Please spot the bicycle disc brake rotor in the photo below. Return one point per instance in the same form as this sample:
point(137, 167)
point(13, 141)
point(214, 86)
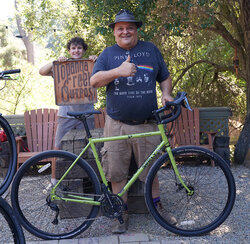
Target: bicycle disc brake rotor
point(118, 206)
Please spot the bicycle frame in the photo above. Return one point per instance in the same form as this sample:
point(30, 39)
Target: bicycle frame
point(91, 143)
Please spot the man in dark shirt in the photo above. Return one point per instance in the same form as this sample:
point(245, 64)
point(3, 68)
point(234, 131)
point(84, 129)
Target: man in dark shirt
point(129, 70)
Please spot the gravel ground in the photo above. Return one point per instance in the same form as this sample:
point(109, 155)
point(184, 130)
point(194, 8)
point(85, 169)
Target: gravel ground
point(234, 230)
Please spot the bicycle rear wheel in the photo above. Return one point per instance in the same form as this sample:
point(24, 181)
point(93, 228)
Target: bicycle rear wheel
point(30, 196)
point(8, 155)
point(209, 205)
point(10, 229)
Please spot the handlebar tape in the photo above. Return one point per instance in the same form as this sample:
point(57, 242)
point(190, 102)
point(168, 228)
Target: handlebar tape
point(178, 101)
point(12, 71)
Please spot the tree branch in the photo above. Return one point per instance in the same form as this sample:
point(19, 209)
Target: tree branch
point(222, 31)
point(230, 12)
point(218, 68)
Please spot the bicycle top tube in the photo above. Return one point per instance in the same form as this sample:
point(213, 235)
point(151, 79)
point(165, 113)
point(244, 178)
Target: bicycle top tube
point(164, 115)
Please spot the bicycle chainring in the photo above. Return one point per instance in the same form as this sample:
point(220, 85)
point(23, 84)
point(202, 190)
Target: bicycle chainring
point(118, 206)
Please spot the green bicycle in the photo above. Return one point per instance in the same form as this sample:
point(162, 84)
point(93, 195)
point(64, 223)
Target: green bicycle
point(199, 196)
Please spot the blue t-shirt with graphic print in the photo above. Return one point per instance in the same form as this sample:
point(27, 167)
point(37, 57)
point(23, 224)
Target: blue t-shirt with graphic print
point(133, 98)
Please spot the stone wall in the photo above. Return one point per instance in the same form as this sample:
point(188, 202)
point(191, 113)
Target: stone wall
point(74, 141)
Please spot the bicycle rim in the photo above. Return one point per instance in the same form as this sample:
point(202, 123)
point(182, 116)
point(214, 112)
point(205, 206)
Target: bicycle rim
point(8, 156)
point(213, 197)
point(11, 230)
point(30, 196)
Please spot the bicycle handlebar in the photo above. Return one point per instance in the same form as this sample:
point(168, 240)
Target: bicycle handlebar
point(174, 107)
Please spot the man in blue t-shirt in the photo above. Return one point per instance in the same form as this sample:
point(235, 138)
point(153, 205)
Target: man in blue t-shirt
point(129, 70)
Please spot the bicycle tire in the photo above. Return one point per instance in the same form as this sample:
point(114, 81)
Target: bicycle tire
point(214, 191)
point(8, 158)
point(37, 213)
point(11, 230)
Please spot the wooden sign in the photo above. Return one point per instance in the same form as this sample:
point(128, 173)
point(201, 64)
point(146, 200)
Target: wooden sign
point(72, 82)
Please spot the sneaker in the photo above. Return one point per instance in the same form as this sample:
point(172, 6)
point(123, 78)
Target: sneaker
point(117, 227)
point(164, 214)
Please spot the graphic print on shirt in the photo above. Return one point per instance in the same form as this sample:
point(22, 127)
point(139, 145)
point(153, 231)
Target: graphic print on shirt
point(130, 81)
point(116, 82)
point(141, 83)
point(138, 79)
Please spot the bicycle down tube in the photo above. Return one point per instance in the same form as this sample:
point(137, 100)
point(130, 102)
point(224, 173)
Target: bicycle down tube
point(91, 144)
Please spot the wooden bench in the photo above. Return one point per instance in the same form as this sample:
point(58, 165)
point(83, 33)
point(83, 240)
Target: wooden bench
point(186, 130)
point(100, 118)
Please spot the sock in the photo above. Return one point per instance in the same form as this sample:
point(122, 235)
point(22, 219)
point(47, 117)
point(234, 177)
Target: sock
point(156, 200)
point(53, 181)
point(125, 207)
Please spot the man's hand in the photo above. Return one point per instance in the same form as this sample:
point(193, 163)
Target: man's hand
point(127, 69)
point(103, 78)
point(166, 98)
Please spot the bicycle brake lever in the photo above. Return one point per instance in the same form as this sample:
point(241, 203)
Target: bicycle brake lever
point(186, 104)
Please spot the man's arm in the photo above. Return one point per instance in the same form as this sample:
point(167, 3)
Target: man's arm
point(166, 88)
point(103, 78)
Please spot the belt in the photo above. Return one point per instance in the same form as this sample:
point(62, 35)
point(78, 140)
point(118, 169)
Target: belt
point(134, 122)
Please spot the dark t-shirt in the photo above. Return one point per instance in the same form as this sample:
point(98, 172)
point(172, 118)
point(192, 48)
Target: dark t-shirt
point(133, 98)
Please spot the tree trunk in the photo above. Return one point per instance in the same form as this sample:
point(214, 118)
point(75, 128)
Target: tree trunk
point(243, 143)
point(29, 48)
point(26, 39)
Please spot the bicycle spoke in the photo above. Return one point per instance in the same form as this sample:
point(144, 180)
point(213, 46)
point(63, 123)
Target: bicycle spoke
point(45, 217)
point(201, 211)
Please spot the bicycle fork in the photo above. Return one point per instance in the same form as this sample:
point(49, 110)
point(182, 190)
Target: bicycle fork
point(190, 192)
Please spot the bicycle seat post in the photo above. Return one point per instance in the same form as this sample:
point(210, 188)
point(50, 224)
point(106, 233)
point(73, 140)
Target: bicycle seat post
point(82, 116)
point(85, 124)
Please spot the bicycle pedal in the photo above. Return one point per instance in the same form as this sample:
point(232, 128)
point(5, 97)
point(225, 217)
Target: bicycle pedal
point(120, 219)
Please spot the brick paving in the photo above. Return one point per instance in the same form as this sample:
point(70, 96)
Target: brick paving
point(129, 238)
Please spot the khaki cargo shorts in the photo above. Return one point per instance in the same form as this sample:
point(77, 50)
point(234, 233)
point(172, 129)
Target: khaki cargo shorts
point(116, 155)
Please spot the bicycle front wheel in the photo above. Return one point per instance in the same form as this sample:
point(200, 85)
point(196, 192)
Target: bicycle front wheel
point(213, 191)
point(8, 155)
point(31, 196)
point(10, 230)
